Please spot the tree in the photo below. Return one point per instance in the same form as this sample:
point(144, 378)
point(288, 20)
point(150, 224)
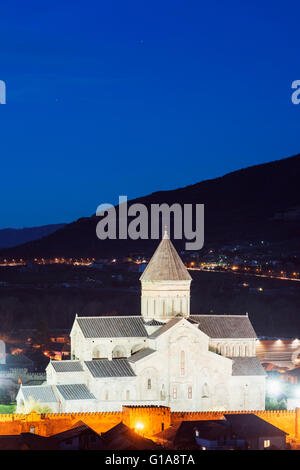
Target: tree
point(33, 405)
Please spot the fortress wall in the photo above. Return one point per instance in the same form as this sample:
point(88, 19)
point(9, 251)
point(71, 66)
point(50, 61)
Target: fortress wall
point(151, 418)
point(52, 423)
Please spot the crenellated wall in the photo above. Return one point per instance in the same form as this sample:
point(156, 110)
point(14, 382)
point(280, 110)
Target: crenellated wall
point(151, 419)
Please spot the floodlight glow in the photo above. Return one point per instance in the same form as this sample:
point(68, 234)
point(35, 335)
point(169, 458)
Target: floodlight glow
point(139, 426)
point(274, 387)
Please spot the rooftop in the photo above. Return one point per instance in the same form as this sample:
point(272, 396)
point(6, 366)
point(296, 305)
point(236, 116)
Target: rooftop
point(247, 366)
point(75, 392)
point(41, 393)
point(112, 327)
point(106, 368)
point(165, 264)
point(67, 366)
point(225, 326)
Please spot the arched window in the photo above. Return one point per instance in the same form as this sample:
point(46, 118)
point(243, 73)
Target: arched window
point(127, 394)
point(149, 384)
point(190, 392)
point(162, 392)
point(182, 363)
point(118, 352)
point(205, 391)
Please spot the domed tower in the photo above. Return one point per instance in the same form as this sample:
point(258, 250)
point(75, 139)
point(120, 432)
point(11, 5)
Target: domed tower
point(165, 284)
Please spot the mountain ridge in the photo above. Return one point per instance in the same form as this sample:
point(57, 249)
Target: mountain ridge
point(240, 206)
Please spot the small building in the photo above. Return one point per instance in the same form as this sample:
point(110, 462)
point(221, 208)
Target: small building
point(235, 432)
point(79, 437)
point(258, 433)
point(121, 437)
point(207, 435)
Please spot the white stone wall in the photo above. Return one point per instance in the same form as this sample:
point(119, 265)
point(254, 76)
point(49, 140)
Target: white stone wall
point(163, 300)
point(234, 347)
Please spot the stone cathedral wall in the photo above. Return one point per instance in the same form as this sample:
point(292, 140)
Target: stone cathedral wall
point(151, 418)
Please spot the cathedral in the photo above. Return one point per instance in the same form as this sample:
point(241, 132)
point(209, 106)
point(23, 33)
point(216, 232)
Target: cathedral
point(165, 357)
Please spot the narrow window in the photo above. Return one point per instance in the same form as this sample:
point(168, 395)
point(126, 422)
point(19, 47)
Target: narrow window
point(106, 395)
point(190, 392)
point(149, 384)
point(127, 394)
point(174, 393)
point(266, 443)
point(182, 363)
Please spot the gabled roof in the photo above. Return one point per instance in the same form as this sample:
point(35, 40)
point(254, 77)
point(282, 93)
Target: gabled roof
point(112, 327)
point(165, 264)
point(141, 354)
point(210, 430)
point(78, 429)
point(106, 368)
point(121, 437)
point(41, 393)
point(67, 366)
point(247, 366)
point(166, 327)
point(250, 425)
point(75, 392)
point(225, 326)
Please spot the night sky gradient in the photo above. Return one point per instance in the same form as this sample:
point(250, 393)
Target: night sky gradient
point(131, 97)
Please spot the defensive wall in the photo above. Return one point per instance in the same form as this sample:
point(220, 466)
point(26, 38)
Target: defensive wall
point(153, 420)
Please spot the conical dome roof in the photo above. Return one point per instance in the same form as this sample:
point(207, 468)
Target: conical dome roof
point(165, 264)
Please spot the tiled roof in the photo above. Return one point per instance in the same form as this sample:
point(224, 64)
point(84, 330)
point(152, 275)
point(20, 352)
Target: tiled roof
point(166, 327)
point(78, 429)
point(141, 354)
point(165, 264)
point(67, 366)
point(112, 327)
point(247, 366)
point(113, 368)
point(41, 393)
point(75, 392)
point(225, 326)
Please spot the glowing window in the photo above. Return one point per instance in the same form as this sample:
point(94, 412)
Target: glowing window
point(267, 443)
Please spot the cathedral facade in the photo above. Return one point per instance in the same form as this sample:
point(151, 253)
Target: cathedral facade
point(165, 356)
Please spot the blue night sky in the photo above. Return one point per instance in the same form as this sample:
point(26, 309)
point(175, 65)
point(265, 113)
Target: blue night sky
point(131, 97)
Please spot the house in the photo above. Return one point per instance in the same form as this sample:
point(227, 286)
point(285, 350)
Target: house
point(26, 441)
point(79, 437)
point(258, 433)
point(235, 432)
point(121, 437)
point(207, 435)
